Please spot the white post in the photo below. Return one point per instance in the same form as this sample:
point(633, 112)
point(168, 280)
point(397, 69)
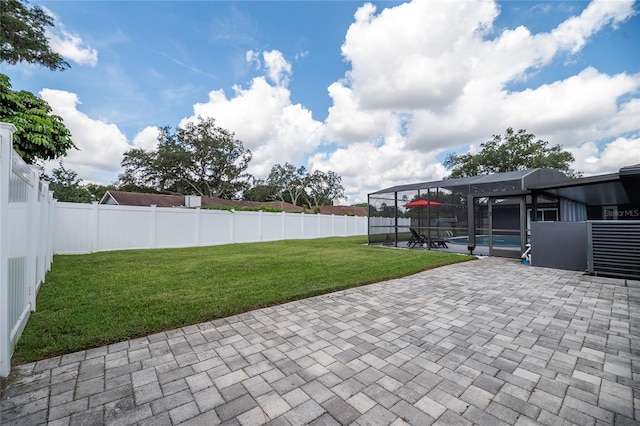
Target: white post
point(333, 225)
point(260, 219)
point(153, 225)
point(53, 205)
point(284, 225)
point(93, 228)
point(6, 135)
point(34, 231)
point(197, 227)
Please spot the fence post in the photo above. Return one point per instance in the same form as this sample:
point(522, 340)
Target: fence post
point(93, 228)
point(153, 225)
point(34, 231)
point(197, 226)
point(6, 135)
point(232, 212)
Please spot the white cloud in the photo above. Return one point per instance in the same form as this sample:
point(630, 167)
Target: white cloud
point(264, 119)
point(277, 67)
point(100, 145)
point(619, 153)
point(348, 122)
point(573, 33)
point(368, 166)
point(147, 138)
point(70, 45)
point(446, 69)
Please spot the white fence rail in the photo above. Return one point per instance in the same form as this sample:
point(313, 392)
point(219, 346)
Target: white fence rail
point(26, 243)
point(88, 228)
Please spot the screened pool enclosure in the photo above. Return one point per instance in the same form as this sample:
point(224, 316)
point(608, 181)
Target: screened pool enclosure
point(492, 211)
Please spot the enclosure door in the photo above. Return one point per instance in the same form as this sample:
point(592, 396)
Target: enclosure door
point(507, 222)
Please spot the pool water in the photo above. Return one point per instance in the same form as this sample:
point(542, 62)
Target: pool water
point(483, 240)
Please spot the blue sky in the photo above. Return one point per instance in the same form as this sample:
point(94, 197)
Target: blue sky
point(378, 92)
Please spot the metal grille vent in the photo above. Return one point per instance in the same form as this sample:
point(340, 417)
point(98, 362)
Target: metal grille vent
point(614, 248)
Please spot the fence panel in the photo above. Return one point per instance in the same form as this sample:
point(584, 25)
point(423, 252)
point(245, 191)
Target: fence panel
point(175, 227)
point(246, 227)
point(70, 218)
point(87, 228)
point(273, 226)
point(216, 227)
point(26, 213)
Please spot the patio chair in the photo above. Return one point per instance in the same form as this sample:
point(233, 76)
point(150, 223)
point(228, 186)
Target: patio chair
point(416, 239)
point(436, 242)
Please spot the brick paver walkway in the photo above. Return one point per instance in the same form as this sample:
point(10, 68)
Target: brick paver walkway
point(487, 342)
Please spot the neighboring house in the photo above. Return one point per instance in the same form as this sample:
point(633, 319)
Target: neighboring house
point(343, 210)
point(142, 199)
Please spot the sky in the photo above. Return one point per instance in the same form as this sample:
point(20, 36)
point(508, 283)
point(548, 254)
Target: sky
point(378, 92)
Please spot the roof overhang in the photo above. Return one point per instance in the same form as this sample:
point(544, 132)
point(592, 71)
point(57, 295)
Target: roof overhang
point(603, 190)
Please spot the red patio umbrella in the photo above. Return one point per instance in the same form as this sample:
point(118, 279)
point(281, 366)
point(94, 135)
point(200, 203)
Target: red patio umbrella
point(422, 203)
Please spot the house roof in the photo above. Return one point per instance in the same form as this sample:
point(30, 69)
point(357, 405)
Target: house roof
point(343, 210)
point(123, 198)
point(522, 178)
point(610, 189)
point(142, 199)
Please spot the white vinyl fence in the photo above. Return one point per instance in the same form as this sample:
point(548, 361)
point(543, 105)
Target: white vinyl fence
point(26, 242)
point(88, 228)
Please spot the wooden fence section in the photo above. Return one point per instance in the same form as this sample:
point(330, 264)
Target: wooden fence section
point(26, 242)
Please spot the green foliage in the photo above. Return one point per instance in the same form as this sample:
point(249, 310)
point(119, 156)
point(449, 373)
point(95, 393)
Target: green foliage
point(323, 188)
point(259, 191)
point(296, 186)
point(288, 183)
point(22, 36)
point(269, 209)
point(102, 298)
point(511, 152)
point(67, 187)
point(200, 158)
point(98, 191)
point(40, 135)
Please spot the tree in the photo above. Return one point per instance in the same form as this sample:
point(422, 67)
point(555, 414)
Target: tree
point(258, 191)
point(67, 187)
point(218, 159)
point(22, 36)
point(199, 158)
point(97, 191)
point(287, 182)
point(40, 135)
point(511, 152)
point(323, 188)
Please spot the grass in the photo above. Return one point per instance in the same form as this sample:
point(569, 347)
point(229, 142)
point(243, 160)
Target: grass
point(97, 299)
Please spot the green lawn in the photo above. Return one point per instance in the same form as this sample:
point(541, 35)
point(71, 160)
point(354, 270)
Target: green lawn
point(97, 299)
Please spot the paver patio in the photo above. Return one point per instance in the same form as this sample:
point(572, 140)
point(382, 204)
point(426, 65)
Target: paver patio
point(484, 342)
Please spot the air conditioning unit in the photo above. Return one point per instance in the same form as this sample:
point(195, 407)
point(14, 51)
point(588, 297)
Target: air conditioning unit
point(193, 201)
